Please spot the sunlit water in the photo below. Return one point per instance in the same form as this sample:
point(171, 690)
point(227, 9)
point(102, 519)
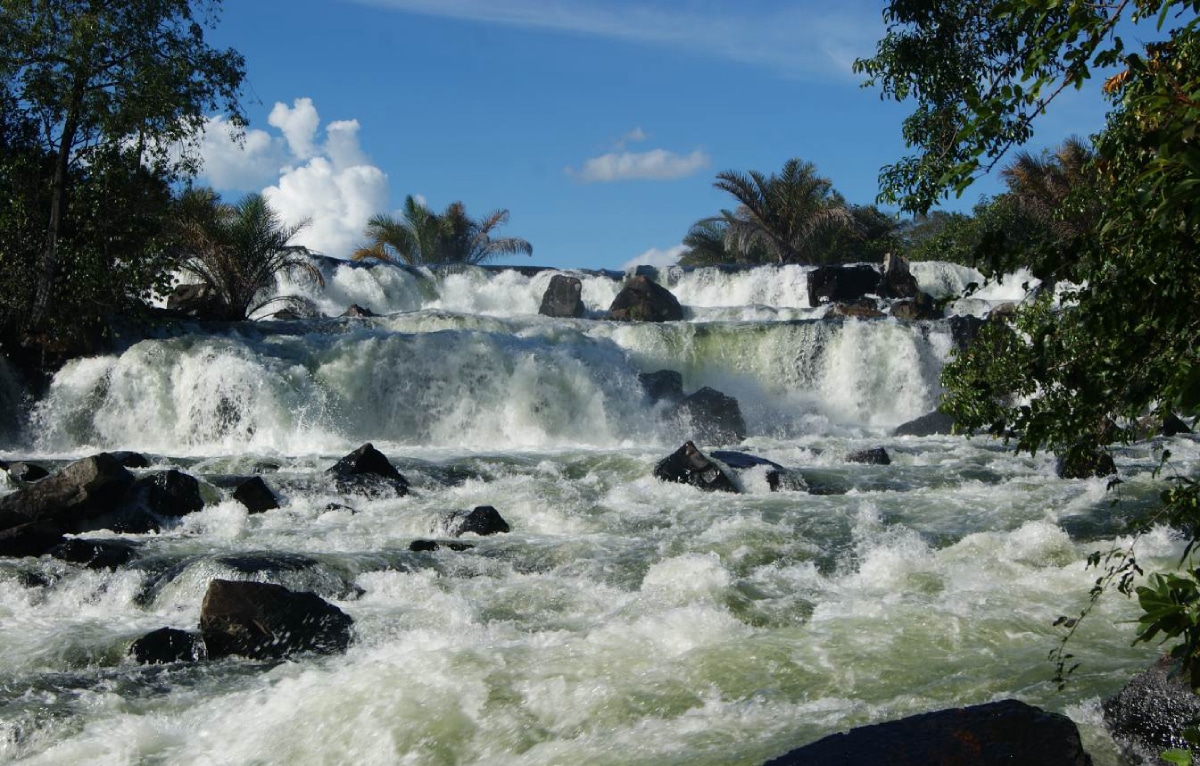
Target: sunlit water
point(623, 620)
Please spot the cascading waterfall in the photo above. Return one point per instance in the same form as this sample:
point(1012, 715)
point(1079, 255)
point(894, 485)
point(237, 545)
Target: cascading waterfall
point(623, 619)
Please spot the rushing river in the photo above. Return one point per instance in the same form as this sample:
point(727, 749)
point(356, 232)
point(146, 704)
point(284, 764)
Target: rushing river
point(623, 620)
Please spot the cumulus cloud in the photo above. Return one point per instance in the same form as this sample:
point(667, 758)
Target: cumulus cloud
point(652, 165)
point(305, 173)
point(657, 257)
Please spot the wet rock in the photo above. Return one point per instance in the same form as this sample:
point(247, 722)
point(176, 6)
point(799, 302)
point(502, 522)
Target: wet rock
point(964, 329)
point(897, 280)
point(483, 520)
point(197, 300)
point(95, 554)
point(265, 621)
point(1083, 463)
point(131, 459)
point(642, 300)
point(688, 465)
point(922, 307)
point(861, 309)
point(873, 456)
point(1173, 425)
point(255, 495)
point(563, 298)
point(82, 490)
point(367, 471)
point(24, 472)
point(421, 546)
point(167, 645)
point(32, 539)
point(170, 494)
point(329, 507)
point(932, 424)
point(662, 386)
point(271, 564)
point(1150, 714)
point(355, 310)
point(710, 416)
point(841, 284)
point(741, 461)
point(998, 733)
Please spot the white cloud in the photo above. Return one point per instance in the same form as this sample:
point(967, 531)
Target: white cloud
point(658, 258)
point(298, 124)
point(803, 38)
point(330, 182)
point(653, 165)
point(635, 136)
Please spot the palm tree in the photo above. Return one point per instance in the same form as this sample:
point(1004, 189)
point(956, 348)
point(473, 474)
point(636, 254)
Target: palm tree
point(236, 250)
point(413, 240)
point(1041, 185)
point(790, 216)
point(708, 244)
point(424, 237)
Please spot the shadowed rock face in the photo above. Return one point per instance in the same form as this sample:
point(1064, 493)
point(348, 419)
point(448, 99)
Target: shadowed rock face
point(166, 645)
point(688, 465)
point(483, 520)
point(367, 471)
point(1001, 733)
point(563, 298)
point(841, 284)
point(711, 417)
point(265, 621)
point(641, 300)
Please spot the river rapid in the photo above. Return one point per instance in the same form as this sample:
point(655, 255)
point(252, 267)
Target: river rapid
point(623, 620)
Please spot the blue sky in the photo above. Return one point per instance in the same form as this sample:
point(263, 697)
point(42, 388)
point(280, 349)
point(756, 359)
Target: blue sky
point(599, 124)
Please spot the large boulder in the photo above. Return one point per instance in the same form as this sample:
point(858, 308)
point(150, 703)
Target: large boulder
point(483, 520)
point(897, 280)
point(964, 328)
point(918, 308)
point(563, 298)
point(688, 465)
point(1151, 713)
point(256, 495)
point(82, 490)
point(873, 456)
point(642, 300)
point(710, 416)
point(841, 284)
point(95, 554)
point(366, 471)
point(995, 734)
point(170, 494)
point(264, 621)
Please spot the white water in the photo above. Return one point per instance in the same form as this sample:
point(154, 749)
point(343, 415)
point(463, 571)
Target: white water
point(623, 621)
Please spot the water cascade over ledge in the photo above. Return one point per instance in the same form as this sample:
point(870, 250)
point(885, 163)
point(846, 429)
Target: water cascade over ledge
point(622, 620)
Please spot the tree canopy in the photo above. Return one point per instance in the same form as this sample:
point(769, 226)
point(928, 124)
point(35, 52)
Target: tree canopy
point(424, 237)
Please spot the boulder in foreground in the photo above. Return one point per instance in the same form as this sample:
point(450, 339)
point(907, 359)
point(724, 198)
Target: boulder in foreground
point(366, 471)
point(996, 734)
point(563, 298)
point(688, 465)
point(264, 621)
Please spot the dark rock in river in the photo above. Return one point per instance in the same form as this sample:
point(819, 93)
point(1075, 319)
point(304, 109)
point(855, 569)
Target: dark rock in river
point(167, 645)
point(841, 284)
point(82, 490)
point(688, 465)
point(420, 546)
point(32, 539)
point(24, 472)
point(741, 461)
point(641, 300)
point(1173, 425)
point(170, 494)
point(874, 456)
point(1001, 733)
point(265, 621)
point(922, 307)
point(367, 471)
point(355, 310)
point(932, 424)
point(95, 554)
point(662, 386)
point(199, 301)
point(964, 329)
point(1081, 463)
point(255, 495)
point(864, 308)
point(1151, 713)
point(483, 520)
point(563, 298)
point(897, 280)
point(710, 416)
point(131, 459)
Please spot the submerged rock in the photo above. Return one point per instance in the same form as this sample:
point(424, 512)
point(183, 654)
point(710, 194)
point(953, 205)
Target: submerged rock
point(742, 461)
point(131, 459)
point(167, 645)
point(873, 456)
point(422, 546)
point(710, 416)
point(688, 465)
point(563, 298)
point(642, 300)
point(932, 424)
point(483, 520)
point(996, 734)
point(367, 471)
point(95, 554)
point(265, 621)
point(662, 386)
point(355, 310)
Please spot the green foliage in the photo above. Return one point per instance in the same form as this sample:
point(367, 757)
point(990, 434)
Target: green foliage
point(237, 250)
point(423, 237)
point(100, 94)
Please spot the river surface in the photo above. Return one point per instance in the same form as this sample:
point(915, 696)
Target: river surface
point(623, 620)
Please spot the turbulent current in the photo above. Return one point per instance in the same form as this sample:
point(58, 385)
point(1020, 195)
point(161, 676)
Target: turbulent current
point(623, 620)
